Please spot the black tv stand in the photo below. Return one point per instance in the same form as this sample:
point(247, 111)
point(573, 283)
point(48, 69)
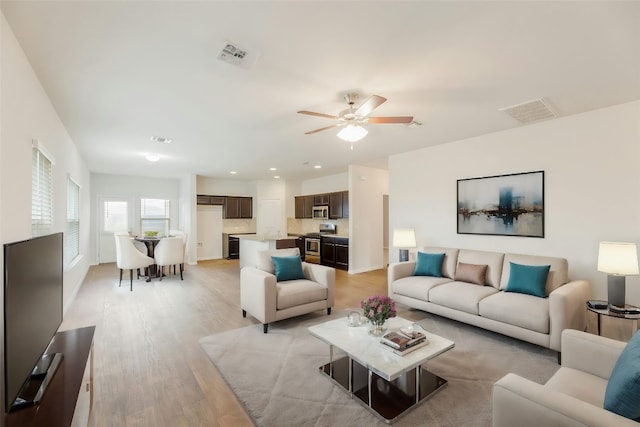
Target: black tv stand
point(73, 382)
point(33, 390)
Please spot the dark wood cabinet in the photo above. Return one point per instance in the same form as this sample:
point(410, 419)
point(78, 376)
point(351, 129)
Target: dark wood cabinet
point(320, 199)
point(338, 203)
point(335, 252)
point(301, 246)
point(345, 204)
point(203, 199)
point(304, 206)
point(238, 207)
point(234, 248)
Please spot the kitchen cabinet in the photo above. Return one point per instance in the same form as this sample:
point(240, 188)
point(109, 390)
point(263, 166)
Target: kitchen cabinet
point(304, 206)
point(238, 207)
point(321, 199)
point(301, 246)
point(203, 199)
point(345, 204)
point(334, 252)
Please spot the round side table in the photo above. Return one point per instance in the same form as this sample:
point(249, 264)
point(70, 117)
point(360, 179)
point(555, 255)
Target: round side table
point(606, 312)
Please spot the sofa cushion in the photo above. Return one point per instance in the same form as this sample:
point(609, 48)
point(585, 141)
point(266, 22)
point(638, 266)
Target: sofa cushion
point(520, 310)
point(460, 295)
point(450, 259)
point(417, 286)
point(429, 265)
point(623, 389)
point(528, 279)
point(581, 385)
point(293, 293)
point(472, 273)
point(264, 261)
point(493, 261)
point(288, 268)
point(558, 273)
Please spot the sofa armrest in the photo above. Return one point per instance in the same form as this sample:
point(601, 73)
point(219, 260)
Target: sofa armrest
point(517, 401)
point(398, 270)
point(323, 275)
point(590, 353)
point(258, 293)
point(567, 310)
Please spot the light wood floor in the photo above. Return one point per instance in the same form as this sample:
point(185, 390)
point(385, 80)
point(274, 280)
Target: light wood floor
point(149, 369)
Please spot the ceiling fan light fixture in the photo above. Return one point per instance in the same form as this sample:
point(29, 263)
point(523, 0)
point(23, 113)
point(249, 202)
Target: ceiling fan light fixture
point(352, 133)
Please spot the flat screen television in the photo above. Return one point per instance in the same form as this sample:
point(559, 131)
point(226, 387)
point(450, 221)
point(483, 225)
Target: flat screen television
point(33, 278)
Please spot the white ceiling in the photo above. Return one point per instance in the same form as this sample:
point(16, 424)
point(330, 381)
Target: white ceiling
point(121, 72)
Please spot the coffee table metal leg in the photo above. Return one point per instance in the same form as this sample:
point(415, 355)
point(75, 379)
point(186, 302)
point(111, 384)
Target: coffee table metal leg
point(350, 376)
point(331, 361)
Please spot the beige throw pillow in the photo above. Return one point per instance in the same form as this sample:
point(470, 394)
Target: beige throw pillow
point(472, 273)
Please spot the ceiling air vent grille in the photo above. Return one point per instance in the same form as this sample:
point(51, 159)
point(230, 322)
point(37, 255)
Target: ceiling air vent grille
point(531, 111)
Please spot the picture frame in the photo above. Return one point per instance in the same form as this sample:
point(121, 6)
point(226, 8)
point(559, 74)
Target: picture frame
point(502, 205)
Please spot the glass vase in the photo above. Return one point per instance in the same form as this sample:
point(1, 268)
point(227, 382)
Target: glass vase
point(377, 328)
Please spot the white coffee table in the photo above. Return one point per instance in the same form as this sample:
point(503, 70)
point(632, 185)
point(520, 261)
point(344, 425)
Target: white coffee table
point(386, 383)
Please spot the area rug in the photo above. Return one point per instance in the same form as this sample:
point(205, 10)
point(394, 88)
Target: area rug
point(276, 376)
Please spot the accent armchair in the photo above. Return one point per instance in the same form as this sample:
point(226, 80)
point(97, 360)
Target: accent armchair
point(170, 251)
point(573, 396)
point(270, 300)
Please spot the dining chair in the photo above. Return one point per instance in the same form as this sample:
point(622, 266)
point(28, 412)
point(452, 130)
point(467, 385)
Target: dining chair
point(130, 258)
point(170, 251)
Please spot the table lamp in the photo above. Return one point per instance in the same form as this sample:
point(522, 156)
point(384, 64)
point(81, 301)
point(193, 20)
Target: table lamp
point(618, 260)
point(404, 238)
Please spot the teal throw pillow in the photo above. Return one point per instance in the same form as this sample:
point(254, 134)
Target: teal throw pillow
point(528, 279)
point(623, 389)
point(429, 265)
point(288, 268)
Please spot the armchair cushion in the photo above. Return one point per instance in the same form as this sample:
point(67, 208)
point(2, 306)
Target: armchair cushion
point(623, 390)
point(293, 293)
point(288, 268)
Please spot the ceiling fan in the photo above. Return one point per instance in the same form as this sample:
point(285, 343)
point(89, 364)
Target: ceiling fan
point(354, 117)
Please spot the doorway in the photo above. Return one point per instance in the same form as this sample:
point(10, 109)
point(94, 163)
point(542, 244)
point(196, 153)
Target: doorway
point(115, 216)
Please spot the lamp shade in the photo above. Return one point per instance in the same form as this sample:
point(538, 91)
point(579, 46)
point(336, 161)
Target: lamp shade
point(404, 238)
point(352, 133)
point(618, 258)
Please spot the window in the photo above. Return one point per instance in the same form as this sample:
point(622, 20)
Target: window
point(72, 238)
point(115, 216)
point(41, 192)
point(154, 216)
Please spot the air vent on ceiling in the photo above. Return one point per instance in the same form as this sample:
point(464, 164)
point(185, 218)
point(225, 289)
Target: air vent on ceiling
point(531, 111)
point(232, 54)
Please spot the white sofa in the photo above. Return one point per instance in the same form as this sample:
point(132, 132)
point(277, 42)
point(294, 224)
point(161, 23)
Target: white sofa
point(269, 300)
point(573, 396)
point(526, 317)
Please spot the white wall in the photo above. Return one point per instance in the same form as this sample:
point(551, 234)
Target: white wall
point(187, 216)
point(592, 187)
point(325, 184)
point(26, 113)
point(132, 188)
point(367, 187)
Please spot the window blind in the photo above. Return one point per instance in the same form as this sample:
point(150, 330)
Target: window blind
point(72, 238)
point(115, 216)
point(154, 215)
point(41, 194)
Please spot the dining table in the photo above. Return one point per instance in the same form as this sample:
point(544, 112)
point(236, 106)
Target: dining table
point(150, 243)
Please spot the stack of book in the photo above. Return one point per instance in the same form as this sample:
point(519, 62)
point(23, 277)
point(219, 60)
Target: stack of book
point(403, 341)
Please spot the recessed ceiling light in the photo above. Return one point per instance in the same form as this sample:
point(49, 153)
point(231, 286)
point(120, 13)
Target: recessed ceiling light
point(273, 169)
point(152, 157)
point(318, 167)
point(161, 139)
point(277, 177)
point(233, 172)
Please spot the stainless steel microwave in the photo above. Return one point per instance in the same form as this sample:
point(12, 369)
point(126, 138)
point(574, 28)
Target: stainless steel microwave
point(320, 212)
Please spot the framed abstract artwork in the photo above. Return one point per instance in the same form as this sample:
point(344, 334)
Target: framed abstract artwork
point(505, 205)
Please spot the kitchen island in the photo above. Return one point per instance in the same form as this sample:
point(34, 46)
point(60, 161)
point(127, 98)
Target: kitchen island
point(251, 244)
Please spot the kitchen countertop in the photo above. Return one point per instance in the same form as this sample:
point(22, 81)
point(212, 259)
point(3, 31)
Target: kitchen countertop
point(259, 238)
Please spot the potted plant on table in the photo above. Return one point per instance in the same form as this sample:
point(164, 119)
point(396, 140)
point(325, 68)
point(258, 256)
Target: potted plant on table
point(377, 309)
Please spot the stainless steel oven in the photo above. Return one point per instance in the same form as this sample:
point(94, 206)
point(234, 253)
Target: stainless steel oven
point(312, 250)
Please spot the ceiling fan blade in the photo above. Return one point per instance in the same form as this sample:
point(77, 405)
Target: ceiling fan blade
point(383, 120)
point(369, 105)
point(324, 128)
point(312, 113)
